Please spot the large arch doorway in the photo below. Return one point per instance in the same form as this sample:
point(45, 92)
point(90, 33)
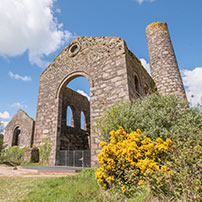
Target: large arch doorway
point(16, 136)
point(73, 140)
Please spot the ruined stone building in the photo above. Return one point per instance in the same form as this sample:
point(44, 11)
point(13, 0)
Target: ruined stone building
point(114, 74)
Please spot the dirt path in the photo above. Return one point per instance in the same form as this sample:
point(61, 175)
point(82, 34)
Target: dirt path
point(6, 171)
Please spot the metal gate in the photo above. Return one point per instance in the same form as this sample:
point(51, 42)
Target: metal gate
point(74, 158)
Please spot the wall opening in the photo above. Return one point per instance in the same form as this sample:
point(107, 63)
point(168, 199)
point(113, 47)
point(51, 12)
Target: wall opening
point(16, 136)
point(74, 128)
point(69, 117)
point(74, 48)
point(83, 124)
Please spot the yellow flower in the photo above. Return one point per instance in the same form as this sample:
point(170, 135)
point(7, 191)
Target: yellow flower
point(139, 131)
point(164, 168)
point(123, 189)
point(169, 141)
point(133, 151)
point(141, 182)
point(159, 140)
point(100, 180)
point(102, 144)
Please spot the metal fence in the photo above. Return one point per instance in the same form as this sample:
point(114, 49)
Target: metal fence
point(74, 158)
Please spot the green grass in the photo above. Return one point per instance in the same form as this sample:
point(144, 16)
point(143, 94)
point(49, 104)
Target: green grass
point(81, 187)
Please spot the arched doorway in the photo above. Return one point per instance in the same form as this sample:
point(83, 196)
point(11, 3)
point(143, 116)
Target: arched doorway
point(73, 140)
point(16, 136)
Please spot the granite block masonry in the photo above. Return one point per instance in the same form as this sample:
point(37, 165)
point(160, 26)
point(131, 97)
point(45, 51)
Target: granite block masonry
point(114, 74)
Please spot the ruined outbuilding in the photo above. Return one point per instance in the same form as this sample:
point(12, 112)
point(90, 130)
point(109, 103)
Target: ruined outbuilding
point(19, 131)
point(114, 74)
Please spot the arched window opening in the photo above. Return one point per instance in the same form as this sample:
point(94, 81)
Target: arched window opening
point(80, 85)
point(16, 137)
point(69, 117)
point(137, 85)
point(83, 125)
point(74, 118)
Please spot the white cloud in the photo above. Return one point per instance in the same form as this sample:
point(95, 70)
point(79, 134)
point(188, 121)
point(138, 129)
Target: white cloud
point(4, 115)
point(145, 64)
point(29, 25)
point(18, 105)
point(4, 123)
point(17, 76)
point(141, 1)
point(193, 82)
point(83, 93)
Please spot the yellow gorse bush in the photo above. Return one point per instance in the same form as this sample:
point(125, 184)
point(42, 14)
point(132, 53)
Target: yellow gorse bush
point(129, 158)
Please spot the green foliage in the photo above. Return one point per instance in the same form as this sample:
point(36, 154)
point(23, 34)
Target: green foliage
point(1, 143)
point(186, 162)
point(142, 194)
point(165, 117)
point(13, 155)
point(44, 152)
point(155, 115)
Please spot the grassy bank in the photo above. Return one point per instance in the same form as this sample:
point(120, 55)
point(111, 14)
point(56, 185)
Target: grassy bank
point(79, 188)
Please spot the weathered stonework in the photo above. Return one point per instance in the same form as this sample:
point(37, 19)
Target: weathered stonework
point(24, 125)
point(163, 63)
point(107, 64)
point(31, 155)
point(114, 74)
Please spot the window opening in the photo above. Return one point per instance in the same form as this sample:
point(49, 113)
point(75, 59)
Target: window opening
point(82, 121)
point(69, 116)
point(16, 137)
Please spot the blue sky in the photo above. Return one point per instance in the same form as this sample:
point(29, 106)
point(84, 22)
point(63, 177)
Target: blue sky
point(33, 32)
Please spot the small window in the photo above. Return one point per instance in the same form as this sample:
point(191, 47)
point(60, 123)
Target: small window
point(82, 121)
point(69, 121)
point(74, 49)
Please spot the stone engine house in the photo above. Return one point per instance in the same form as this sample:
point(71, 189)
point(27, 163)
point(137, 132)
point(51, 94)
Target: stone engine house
point(114, 74)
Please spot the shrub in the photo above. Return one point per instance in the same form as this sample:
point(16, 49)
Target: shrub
point(186, 162)
point(1, 143)
point(164, 117)
point(13, 155)
point(44, 152)
point(130, 159)
point(155, 115)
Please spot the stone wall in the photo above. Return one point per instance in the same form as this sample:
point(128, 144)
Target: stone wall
point(140, 82)
point(102, 61)
point(109, 67)
point(163, 63)
point(26, 125)
point(114, 74)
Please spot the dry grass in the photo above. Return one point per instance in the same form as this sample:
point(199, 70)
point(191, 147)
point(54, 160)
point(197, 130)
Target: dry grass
point(16, 188)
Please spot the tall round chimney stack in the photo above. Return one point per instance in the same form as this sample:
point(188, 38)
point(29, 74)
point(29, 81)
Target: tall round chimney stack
point(163, 63)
